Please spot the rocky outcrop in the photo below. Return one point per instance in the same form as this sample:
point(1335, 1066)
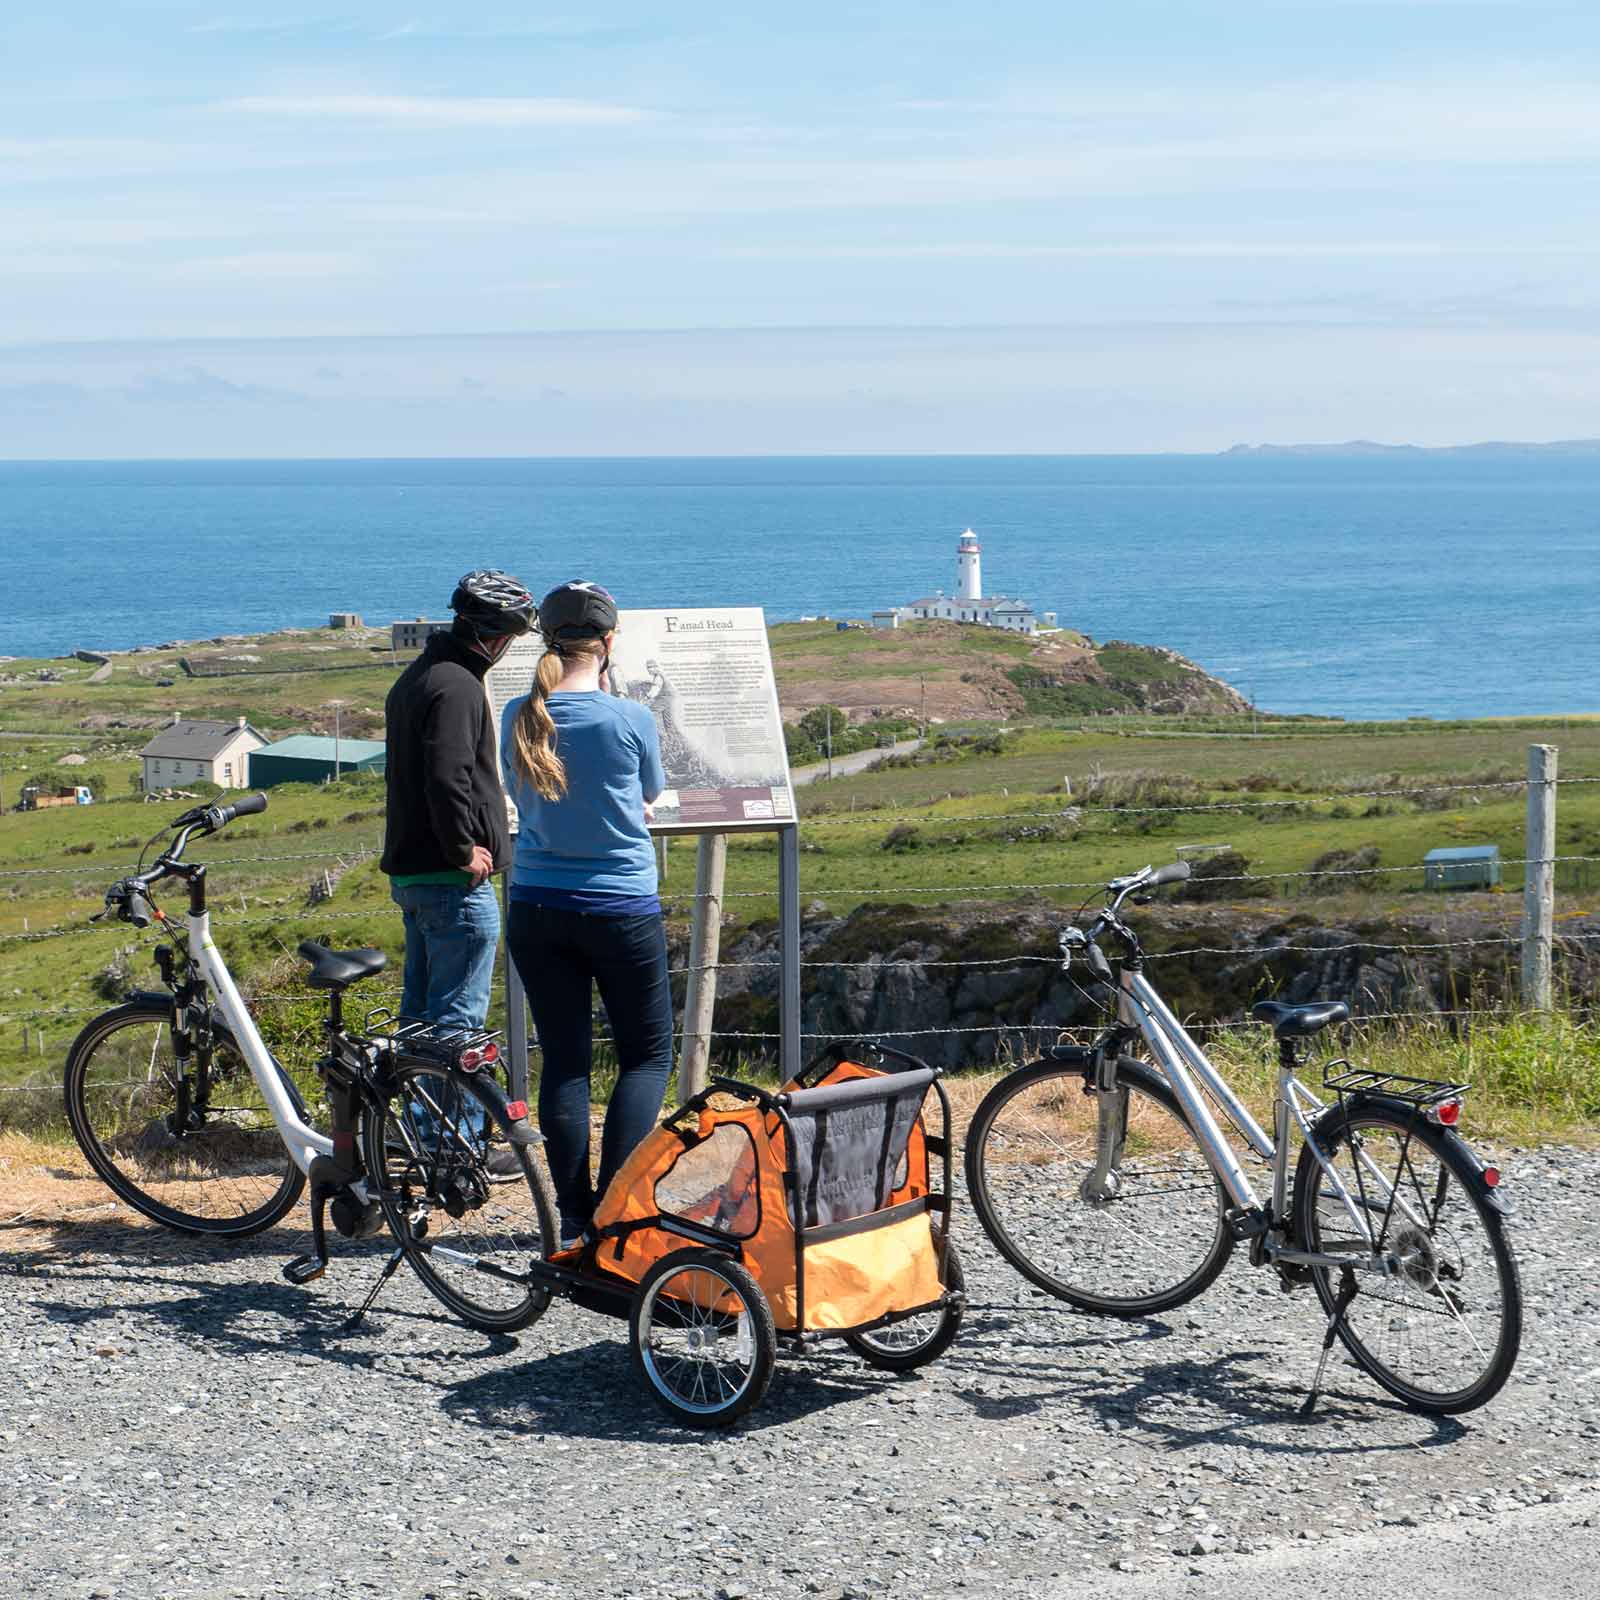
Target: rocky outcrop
point(942, 984)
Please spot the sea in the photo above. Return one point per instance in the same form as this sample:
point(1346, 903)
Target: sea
point(1440, 586)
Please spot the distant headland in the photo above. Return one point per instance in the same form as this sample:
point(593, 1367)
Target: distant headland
point(1370, 447)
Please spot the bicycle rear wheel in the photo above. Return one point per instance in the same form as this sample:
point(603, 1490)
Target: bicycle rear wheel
point(198, 1150)
point(1441, 1331)
point(1146, 1237)
point(425, 1150)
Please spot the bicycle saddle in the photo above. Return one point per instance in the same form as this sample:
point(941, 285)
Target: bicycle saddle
point(338, 969)
point(1296, 1022)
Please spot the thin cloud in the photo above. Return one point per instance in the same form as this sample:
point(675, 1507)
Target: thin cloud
point(249, 25)
point(440, 112)
point(1159, 249)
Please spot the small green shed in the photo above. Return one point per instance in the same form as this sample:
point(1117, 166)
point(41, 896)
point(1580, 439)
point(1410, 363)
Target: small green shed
point(306, 758)
point(1467, 866)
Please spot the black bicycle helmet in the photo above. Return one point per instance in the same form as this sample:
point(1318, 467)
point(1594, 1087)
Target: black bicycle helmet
point(493, 604)
point(574, 611)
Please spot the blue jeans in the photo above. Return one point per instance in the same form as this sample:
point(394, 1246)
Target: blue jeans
point(451, 937)
point(561, 955)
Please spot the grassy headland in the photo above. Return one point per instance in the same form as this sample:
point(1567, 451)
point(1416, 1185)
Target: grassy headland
point(981, 817)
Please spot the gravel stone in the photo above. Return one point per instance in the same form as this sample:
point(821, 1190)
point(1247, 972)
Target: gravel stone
point(178, 1423)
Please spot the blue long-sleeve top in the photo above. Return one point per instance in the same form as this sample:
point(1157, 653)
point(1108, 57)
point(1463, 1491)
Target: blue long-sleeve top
point(590, 850)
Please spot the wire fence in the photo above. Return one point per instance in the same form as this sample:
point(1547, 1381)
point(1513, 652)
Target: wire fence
point(1572, 940)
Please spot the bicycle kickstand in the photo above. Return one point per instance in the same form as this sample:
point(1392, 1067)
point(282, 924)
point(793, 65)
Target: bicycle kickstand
point(1341, 1304)
point(390, 1267)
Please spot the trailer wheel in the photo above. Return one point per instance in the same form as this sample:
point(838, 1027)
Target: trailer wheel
point(703, 1338)
point(904, 1346)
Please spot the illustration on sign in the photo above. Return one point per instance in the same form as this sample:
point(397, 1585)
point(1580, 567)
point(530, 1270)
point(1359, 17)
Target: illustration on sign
point(706, 675)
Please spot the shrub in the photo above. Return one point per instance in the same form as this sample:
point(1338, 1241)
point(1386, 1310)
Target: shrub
point(1339, 870)
point(1212, 879)
point(902, 837)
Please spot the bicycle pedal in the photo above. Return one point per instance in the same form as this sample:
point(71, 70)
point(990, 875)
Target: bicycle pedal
point(304, 1269)
point(1246, 1222)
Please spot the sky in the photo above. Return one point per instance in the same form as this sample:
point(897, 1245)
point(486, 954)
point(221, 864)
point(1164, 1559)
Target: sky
point(707, 229)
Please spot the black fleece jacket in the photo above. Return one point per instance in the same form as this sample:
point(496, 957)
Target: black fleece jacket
point(443, 765)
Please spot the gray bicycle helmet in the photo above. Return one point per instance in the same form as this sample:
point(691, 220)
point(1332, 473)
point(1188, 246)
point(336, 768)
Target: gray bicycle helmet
point(574, 611)
point(492, 604)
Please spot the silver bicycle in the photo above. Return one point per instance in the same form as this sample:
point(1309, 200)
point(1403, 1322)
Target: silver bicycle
point(1108, 1181)
point(182, 1109)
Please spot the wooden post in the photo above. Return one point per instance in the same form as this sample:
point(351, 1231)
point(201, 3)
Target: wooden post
point(705, 941)
point(1539, 892)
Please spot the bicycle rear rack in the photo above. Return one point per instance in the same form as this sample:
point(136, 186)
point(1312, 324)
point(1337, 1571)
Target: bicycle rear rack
point(436, 1042)
point(1345, 1078)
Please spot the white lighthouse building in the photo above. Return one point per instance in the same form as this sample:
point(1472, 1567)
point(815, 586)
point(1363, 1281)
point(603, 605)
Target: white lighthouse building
point(969, 567)
point(968, 603)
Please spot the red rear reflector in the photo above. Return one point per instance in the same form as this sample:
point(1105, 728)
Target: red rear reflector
point(491, 1051)
point(518, 1109)
point(1491, 1176)
point(1447, 1112)
point(470, 1060)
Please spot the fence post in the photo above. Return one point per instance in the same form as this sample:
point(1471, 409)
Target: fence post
point(789, 1043)
point(516, 1010)
point(705, 943)
point(1539, 892)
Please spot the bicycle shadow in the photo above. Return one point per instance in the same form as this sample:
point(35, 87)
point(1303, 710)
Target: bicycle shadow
point(66, 1244)
point(266, 1316)
point(1229, 1398)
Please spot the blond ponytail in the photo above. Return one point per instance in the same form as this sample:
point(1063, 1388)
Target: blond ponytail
point(533, 734)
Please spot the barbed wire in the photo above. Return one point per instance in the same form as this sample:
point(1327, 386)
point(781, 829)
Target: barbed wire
point(1089, 803)
point(367, 849)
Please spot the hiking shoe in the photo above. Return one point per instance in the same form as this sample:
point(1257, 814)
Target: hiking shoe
point(501, 1165)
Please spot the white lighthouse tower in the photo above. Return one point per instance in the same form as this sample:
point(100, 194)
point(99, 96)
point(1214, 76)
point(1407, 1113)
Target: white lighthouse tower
point(969, 568)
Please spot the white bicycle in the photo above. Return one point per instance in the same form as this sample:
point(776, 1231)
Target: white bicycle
point(1107, 1181)
point(180, 1107)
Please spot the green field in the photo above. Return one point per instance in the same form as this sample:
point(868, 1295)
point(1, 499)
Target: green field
point(982, 816)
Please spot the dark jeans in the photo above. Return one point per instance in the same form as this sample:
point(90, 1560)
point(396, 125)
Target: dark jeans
point(452, 935)
point(559, 955)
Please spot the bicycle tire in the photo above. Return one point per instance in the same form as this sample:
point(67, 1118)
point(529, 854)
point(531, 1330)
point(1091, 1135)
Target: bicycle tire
point(1462, 1248)
point(229, 1177)
point(421, 1184)
point(1049, 1203)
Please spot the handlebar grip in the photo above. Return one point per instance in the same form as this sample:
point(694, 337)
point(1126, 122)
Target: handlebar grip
point(252, 805)
point(1175, 872)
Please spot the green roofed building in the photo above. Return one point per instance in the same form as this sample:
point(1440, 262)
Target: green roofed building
point(306, 758)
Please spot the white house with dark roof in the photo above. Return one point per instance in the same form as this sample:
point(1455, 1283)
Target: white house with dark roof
point(968, 603)
point(200, 752)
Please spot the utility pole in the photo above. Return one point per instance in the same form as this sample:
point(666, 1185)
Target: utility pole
point(828, 716)
point(338, 706)
point(924, 718)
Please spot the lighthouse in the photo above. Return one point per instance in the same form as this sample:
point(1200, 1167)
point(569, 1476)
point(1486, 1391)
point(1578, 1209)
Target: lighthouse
point(969, 572)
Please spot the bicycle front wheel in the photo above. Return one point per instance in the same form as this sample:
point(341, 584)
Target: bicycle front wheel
point(1442, 1328)
point(469, 1233)
point(196, 1150)
point(1137, 1234)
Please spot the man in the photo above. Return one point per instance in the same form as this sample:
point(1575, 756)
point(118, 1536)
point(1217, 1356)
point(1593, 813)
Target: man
point(446, 832)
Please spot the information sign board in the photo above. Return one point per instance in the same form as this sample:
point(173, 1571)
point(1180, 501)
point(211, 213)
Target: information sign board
point(706, 675)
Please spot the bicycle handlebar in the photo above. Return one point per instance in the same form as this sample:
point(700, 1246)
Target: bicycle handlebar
point(130, 898)
point(1107, 920)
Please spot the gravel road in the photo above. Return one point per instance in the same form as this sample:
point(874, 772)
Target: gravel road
point(175, 1420)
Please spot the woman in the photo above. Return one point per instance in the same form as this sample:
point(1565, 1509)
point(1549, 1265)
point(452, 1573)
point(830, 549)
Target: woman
point(583, 767)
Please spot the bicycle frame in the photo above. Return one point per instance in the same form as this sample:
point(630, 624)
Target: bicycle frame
point(1182, 1061)
point(303, 1143)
